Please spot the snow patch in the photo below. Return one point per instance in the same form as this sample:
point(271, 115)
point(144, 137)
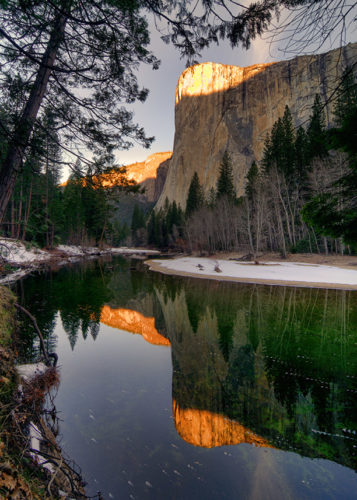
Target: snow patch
point(9, 278)
point(138, 251)
point(16, 252)
point(70, 249)
point(29, 371)
point(35, 443)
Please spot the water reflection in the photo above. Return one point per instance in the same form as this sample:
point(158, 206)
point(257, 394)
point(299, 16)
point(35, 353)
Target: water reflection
point(271, 366)
point(134, 322)
point(208, 430)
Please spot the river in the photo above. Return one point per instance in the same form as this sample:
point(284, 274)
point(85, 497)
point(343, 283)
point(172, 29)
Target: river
point(179, 388)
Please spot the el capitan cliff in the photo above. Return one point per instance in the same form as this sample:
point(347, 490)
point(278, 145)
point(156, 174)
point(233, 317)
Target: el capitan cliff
point(220, 107)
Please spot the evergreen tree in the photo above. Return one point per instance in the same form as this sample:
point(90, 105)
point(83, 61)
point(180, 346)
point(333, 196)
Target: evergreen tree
point(137, 225)
point(346, 101)
point(252, 177)
point(225, 184)
point(212, 198)
point(195, 196)
point(120, 233)
point(73, 211)
point(138, 218)
point(279, 147)
point(288, 146)
point(301, 154)
point(166, 225)
point(335, 213)
point(316, 131)
point(96, 209)
point(154, 229)
point(273, 148)
point(267, 159)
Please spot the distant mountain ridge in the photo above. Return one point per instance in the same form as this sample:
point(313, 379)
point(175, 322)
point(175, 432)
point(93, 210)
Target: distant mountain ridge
point(149, 174)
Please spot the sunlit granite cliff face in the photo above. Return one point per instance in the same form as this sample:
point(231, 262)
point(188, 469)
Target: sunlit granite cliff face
point(150, 174)
point(221, 107)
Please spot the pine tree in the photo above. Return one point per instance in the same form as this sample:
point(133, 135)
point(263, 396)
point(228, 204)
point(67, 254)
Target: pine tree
point(346, 101)
point(279, 147)
point(335, 213)
point(288, 143)
point(225, 184)
point(252, 177)
point(267, 159)
point(301, 152)
point(153, 229)
point(195, 196)
point(138, 218)
point(316, 131)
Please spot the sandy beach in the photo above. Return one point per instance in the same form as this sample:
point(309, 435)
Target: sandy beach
point(314, 271)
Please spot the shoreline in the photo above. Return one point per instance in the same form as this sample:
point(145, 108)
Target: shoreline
point(193, 271)
point(28, 259)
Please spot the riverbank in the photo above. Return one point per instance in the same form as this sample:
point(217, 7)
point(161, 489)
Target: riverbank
point(31, 462)
point(16, 477)
point(17, 258)
point(303, 270)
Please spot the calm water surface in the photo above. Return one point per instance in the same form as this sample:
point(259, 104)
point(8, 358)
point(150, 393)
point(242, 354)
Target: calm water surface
point(175, 388)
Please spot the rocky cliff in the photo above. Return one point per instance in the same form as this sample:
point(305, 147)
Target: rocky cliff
point(221, 107)
point(151, 173)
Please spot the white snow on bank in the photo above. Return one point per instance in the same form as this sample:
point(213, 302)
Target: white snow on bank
point(70, 249)
point(35, 444)
point(10, 278)
point(16, 252)
point(82, 251)
point(272, 271)
point(134, 251)
point(29, 371)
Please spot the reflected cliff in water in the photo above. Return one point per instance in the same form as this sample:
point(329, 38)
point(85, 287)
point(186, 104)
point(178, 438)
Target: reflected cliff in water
point(270, 366)
point(208, 430)
point(133, 322)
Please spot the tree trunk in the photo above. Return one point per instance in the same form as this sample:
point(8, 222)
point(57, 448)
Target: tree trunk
point(46, 203)
point(12, 218)
point(326, 246)
point(20, 213)
point(13, 160)
point(27, 215)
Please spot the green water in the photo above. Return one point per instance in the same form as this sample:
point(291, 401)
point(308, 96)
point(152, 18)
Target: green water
point(255, 395)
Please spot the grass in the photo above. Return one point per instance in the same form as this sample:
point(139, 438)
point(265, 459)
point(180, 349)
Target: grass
point(7, 315)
